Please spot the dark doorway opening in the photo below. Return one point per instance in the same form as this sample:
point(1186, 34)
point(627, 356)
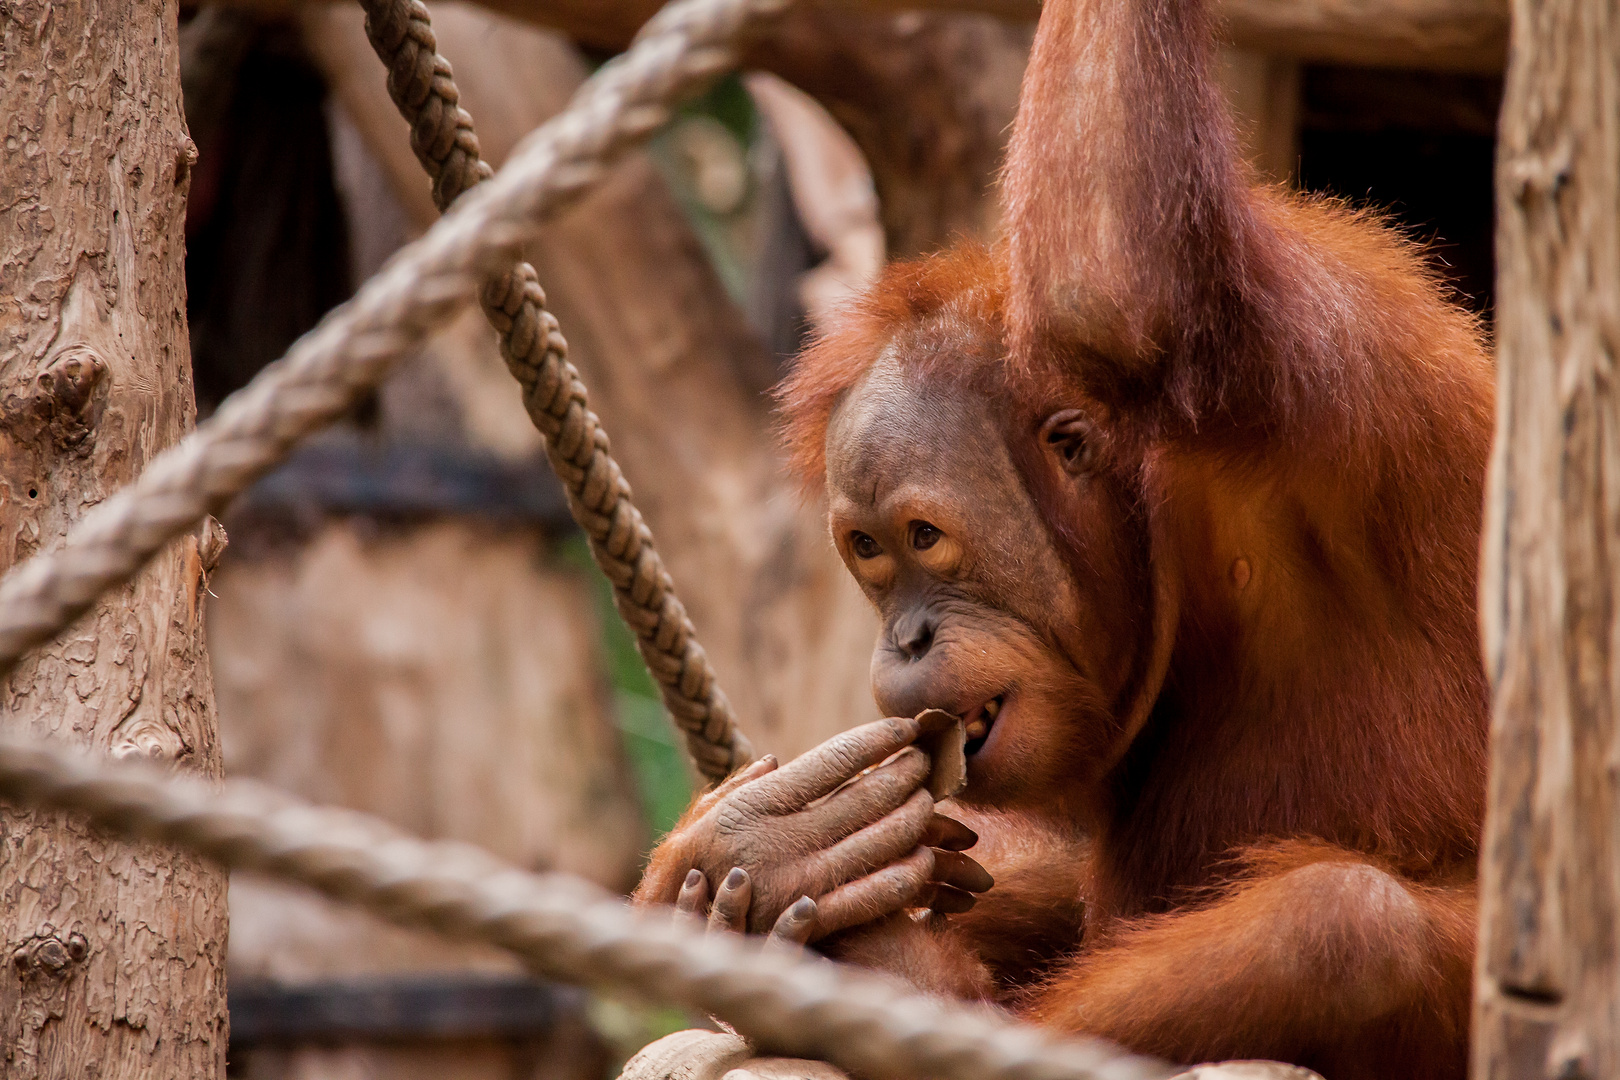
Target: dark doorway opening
point(1420, 146)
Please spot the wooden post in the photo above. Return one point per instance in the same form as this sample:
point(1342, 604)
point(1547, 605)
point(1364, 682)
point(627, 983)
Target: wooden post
point(1548, 999)
point(111, 954)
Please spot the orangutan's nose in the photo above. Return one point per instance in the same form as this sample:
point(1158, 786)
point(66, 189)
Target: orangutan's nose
point(913, 634)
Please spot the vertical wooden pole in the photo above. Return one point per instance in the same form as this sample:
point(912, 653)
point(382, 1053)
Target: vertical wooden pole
point(1548, 998)
point(112, 954)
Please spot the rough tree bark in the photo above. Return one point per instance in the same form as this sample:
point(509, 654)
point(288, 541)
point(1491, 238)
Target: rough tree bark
point(1548, 1002)
point(113, 952)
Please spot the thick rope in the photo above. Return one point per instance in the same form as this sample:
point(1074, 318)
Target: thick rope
point(329, 369)
point(563, 926)
point(422, 84)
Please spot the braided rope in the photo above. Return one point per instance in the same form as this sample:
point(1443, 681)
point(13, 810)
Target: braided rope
point(329, 369)
point(423, 87)
point(563, 926)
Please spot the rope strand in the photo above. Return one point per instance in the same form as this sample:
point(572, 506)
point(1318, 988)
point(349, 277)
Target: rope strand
point(564, 927)
point(422, 84)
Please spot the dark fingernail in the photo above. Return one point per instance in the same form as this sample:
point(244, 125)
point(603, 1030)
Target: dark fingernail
point(802, 908)
point(692, 878)
point(735, 879)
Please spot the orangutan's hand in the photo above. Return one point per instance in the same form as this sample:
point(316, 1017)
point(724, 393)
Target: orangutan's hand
point(819, 844)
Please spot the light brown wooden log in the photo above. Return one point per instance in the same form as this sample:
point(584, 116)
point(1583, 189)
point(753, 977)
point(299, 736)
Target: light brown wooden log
point(931, 134)
point(1549, 993)
point(1447, 35)
point(443, 677)
point(1444, 35)
point(438, 675)
point(111, 954)
point(709, 1055)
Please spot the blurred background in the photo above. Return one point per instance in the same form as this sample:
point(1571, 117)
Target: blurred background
point(406, 621)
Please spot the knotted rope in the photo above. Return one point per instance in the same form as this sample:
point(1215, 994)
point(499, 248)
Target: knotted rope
point(422, 84)
point(564, 927)
point(329, 369)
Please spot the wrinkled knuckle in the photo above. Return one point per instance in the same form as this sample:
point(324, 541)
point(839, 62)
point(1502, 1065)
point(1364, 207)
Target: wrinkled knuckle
point(732, 818)
point(843, 758)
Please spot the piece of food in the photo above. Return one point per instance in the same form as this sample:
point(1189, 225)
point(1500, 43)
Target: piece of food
point(946, 742)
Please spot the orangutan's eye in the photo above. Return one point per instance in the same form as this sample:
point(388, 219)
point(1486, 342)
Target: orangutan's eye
point(864, 546)
point(1069, 434)
point(924, 535)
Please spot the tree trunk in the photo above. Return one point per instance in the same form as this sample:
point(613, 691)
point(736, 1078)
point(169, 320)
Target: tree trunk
point(115, 952)
point(1548, 1001)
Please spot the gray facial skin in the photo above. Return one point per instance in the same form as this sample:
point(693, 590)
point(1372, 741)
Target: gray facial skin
point(932, 518)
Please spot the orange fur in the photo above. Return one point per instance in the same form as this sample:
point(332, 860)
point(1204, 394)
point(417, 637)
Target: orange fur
point(1301, 416)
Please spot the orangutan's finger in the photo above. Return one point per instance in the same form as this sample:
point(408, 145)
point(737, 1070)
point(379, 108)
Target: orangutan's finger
point(731, 900)
point(750, 772)
point(948, 834)
point(949, 900)
point(894, 887)
point(694, 895)
point(795, 925)
point(862, 801)
point(892, 837)
point(958, 870)
point(815, 773)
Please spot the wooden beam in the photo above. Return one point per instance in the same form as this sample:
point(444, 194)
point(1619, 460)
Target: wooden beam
point(1451, 35)
point(1548, 999)
point(1443, 35)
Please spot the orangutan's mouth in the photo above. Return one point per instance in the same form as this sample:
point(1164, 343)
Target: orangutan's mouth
point(979, 722)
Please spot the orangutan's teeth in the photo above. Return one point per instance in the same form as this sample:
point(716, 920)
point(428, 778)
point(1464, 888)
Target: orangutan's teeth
point(992, 707)
point(977, 729)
